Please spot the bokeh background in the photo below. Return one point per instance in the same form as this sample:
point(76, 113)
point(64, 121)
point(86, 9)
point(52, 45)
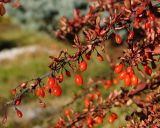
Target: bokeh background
point(26, 41)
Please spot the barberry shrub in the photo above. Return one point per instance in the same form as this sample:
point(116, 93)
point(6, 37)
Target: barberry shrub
point(135, 71)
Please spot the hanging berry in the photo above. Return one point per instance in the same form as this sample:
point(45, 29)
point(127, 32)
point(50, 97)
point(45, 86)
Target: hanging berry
point(147, 69)
point(18, 101)
point(83, 66)
point(115, 81)
point(118, 68)
point(112, 117)
point(134, 79)
point(118, 39)
point(19, 113)
point(122, 75)
point(100, 58)
point(51, 82)
point(130, 70)
point(79, 80)
point(98, 120)
point(57, 91)
point(68, 73)
point(127, 80)
point(60, 78)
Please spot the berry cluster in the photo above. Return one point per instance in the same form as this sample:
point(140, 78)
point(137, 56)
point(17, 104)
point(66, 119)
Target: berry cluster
point(140, 19)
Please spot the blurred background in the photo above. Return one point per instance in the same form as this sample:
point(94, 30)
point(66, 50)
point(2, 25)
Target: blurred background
point(26, 40)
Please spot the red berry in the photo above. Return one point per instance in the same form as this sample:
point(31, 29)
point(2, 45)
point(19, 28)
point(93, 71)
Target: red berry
point(19, 113)
point(68, 73)
point(115, 81)
point(100, 58)
point(122, 75)
point(152, 16)
point(147, 70)
point(130, 70)
point(89, 120)
point(79, 80)
point(46, 88)
point(134, 79)
point(67, 112)
point(14, 92)
point(127, 80)
point(147, 25)
point(112, 117)
point(139, 10)
point(108, 82)
point(57, 91)
point(118, 39)
point(130, 35)
point(40, 92)
point(88, 56)
point(98, 120)
point(51, 82)
point(60, 78)
point(18, 101)
point(83, 66)
point(118, 68)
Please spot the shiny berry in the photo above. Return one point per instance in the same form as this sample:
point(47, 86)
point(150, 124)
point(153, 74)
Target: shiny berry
point(139, 10)
point(118, 39)
point(122, 75)
point(51, 82)
point(89, 120)
point(18, 101)
point(130, 70)
point(127, 80)
point(19, 113)
point(57, 91)
point(134, 79)
point(151, 16)
point(67, 112)
point(40, 92)
point(98, 120)
point(83, 66)
point(112, 117)
point(118, 68)
point(79, 80)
